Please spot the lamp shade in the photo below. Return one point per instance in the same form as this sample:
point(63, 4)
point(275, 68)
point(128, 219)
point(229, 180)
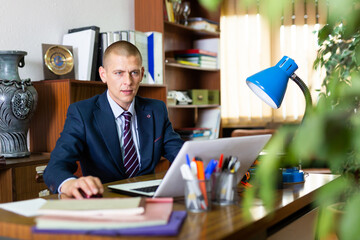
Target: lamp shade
point(270, 84)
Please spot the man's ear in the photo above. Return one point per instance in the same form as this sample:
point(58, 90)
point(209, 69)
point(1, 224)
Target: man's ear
point(142, 73)
point(102, 74)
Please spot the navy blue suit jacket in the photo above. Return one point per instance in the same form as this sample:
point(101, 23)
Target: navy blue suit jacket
point(90, 136)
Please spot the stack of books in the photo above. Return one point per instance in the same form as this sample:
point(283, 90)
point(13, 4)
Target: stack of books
point(197, 57)
point(104, 214)
point(194, 133)
point(200, 23)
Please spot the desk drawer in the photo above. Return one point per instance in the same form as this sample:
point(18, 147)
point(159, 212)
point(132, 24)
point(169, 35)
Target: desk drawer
point(25, 184)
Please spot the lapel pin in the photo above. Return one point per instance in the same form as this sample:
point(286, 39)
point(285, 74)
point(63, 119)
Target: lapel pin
point(148, 116)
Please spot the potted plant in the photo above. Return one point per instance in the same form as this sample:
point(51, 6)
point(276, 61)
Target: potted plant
point(329, 134)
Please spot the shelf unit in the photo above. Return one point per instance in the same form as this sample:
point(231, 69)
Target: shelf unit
point(149, 16)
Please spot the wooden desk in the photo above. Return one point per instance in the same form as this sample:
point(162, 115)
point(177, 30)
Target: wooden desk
point(220, 223)
point(18, 177)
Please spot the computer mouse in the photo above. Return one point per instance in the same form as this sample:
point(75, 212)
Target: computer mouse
point(99, 195)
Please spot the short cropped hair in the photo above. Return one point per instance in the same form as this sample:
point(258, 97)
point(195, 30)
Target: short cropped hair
point(122, 48)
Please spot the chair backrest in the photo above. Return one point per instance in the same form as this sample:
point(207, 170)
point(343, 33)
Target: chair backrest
point(251, 132)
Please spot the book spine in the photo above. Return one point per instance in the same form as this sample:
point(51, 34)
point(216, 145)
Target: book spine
point(110, 38)
point(170, 11)
point(124, 36)
point(116, 36)
point(141, 42)
point(158, 55)
point(155, 57)
point(151, 58)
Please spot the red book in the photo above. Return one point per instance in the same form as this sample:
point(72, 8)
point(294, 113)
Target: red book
point(194, 52)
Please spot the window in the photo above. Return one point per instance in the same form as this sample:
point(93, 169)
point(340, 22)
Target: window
point(250, 43)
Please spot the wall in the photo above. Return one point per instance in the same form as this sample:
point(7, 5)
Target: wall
point(26, 24)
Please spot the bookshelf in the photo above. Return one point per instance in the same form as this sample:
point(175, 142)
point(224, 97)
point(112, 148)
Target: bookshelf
point(149, 16)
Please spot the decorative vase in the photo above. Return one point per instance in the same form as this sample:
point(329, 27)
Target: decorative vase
point(18, 100)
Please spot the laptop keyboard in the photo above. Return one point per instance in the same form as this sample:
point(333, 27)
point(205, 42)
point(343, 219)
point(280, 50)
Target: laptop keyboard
point(147, 189)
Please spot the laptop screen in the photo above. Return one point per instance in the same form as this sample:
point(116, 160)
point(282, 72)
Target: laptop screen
point(246, 149)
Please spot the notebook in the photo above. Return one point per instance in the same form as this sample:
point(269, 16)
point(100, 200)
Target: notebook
point(246, 148)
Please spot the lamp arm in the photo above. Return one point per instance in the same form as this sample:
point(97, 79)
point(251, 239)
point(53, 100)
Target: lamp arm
point(305, 90)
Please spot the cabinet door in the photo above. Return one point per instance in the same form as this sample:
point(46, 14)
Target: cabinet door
point(26, 186)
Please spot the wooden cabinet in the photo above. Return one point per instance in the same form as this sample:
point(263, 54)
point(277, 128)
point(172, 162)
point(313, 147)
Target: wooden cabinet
point(19, 179)
point(149, 17)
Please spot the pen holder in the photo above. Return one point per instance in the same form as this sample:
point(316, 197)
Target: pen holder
point(198, 195)
point(226, 189)
point(214, 185)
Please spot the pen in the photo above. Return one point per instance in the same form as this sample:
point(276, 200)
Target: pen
point(210, 168)
point(201, 177)
point(225, 163)
point(220, 162)
point(188, 159)
point(232, 163)
point(193, 168)
point(229, 190)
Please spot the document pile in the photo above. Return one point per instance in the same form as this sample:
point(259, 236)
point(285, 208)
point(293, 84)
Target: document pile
point(194, 133)
point(197, 57)
point(102, 214)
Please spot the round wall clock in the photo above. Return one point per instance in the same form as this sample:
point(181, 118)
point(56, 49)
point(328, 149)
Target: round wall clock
point(59, 60)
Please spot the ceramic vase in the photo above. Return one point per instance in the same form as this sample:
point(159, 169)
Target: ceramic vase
point(18, 100)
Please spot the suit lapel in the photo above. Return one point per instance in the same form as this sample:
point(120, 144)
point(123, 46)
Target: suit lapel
point(105, 120)
point(145, 121)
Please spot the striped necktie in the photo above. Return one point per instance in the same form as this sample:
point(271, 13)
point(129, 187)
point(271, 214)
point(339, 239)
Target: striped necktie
point(131, 162)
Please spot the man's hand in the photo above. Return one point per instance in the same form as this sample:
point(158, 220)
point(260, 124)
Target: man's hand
point(89, 185)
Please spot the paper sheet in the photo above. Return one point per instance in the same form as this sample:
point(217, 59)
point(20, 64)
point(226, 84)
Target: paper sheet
point(27, 208)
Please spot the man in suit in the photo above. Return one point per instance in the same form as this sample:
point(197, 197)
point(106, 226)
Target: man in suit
point(99, 133)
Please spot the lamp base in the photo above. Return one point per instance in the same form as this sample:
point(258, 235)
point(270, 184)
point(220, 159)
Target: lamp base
point(292, 175)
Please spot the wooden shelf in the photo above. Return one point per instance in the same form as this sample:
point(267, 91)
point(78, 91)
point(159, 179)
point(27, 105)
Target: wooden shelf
point(155, 85)
point(172, 27)
point(179, 65)
point(194, 106)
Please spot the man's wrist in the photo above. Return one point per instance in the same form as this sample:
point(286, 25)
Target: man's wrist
point(59, 188)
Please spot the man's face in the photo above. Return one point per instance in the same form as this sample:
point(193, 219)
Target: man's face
point(122, 76)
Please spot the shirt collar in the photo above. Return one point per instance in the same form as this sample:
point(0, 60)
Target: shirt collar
point(116, 109)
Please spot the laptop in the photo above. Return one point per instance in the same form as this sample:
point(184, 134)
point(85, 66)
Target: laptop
point(246, 148)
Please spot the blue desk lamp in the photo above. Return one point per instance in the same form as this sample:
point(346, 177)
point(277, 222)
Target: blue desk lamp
point(270, 85)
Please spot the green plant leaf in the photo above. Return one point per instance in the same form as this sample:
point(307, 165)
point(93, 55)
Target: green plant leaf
point(324, 33)
point(349, 225)
point(211, 5)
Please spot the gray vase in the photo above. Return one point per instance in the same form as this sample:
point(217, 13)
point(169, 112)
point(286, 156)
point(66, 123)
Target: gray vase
point(18, 100)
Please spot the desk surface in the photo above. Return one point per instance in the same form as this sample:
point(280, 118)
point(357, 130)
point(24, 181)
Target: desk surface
point(219, 223)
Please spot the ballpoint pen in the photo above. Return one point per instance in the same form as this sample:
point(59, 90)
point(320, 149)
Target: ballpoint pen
point(193, 168)
point(220, 162)
point(188, 159)
point(201, 177)
point(225, 164)
point(210, 168)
